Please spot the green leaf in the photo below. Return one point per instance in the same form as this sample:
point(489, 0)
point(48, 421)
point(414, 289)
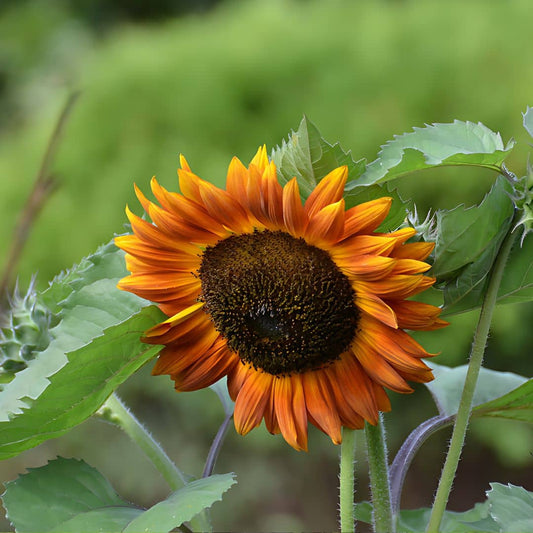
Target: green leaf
point(49, 497)
point(459, 143)
point(468, 241)
point(517, 282)
point(516, 404)
point(182, 505)
point(464, 234)
point(69, 495)
point(416, 520)
point(528, 120)
point(447, 388)
point(511, 507)
point(95, 348)
point(308, 157)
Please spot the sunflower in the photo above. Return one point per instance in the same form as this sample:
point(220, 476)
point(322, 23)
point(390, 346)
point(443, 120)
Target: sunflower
point(302, 306)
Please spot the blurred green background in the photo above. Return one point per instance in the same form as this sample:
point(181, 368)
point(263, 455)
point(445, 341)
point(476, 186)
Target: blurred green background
point(213, 79)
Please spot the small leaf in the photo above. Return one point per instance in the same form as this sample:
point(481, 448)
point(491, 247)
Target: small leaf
point(511, 507)
point(182, 505)
point(528, 120)
point(447, 387)
point(309, 157)
point(49, 497)
point(459, 143)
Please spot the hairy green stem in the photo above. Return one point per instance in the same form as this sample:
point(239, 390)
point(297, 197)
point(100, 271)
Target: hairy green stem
point(379, 477)
point(474, 365)
point(117, 413)
point(347, 519)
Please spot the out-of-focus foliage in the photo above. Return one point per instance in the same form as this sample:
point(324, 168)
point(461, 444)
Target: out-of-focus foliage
point(220, 84)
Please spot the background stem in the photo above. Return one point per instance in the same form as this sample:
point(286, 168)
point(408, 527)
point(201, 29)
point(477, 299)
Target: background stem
point(379, 477)
point(474, 365)
point(347, 489)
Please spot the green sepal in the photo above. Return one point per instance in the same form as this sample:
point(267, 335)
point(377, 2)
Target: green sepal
point(307, 156)
point(69, 495)
point(437, 145)
point(95, 347)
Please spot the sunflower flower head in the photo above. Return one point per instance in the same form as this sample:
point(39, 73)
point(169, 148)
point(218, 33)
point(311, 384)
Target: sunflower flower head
point(303, 306)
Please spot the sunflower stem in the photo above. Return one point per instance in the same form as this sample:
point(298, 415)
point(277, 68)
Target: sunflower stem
point(115, 412)
point(379, 477)
point(474, 365)
point(346, 504)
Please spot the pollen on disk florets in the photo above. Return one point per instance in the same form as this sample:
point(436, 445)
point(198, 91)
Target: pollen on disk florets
point(281, 304)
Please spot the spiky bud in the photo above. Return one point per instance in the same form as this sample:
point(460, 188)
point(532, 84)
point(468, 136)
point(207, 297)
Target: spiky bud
point(25, 332)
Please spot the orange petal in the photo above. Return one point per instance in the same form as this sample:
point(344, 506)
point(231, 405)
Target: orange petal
point(366, 217)
point(237, 179)
point(189, 185)
point(183, 163)
point(328, 191)
point(414, 250)
point(410, 266)
point(206, 370)
point(321, 404)
point(174, 321)
point(355, 387)
point(294, 215)
point(273, 195)
point(417, 315)
point(367, 267)
point(252, 400)
point(260, 159)
point(224, 208)
point(291, 412)
point(377, 308)
point(378, 369)
point(326, 226)
point(362, 245)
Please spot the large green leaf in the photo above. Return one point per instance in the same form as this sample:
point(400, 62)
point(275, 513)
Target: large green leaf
point(50, 496)
point(468, 241)
point(308, 157)
point(459, 143)
point(463, 235)
point(69, 495)
point(516, 404)
point(492, 386)
point(511, 507)
point(95, 347)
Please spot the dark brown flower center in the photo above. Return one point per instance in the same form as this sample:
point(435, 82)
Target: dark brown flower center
point(282, 305)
